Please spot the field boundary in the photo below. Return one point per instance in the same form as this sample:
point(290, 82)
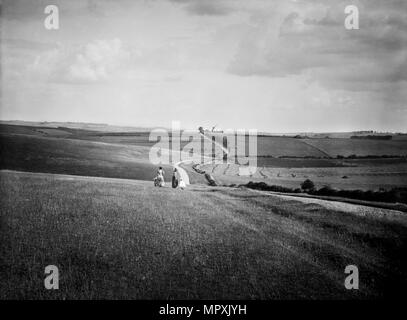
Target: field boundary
point(381, 205)
point(319, 149)
point(362, 210)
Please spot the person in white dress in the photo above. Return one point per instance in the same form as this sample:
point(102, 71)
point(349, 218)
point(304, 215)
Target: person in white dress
point(182, 184)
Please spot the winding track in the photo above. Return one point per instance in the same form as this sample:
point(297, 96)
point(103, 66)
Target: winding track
point(331, 205)
point(183, 174)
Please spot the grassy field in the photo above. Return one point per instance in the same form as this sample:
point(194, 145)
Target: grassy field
point(115, 238)
point(74, 156)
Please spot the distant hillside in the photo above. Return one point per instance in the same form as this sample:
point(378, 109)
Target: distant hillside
point(77, 125)
point(343, 135)
point(38, 153)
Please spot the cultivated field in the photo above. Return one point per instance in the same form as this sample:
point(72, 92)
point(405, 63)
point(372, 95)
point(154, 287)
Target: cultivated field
point(339, 163)
point(282, 146)
point(359, 147)
point(358, 174)
point(115, 238)
point(281, 160)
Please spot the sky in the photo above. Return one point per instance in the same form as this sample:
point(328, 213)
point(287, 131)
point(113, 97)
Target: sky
point(275, 66)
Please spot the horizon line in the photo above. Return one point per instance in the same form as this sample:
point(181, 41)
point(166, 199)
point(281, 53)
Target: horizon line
point(188, 129)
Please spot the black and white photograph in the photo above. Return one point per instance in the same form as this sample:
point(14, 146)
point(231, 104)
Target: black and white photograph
point(203, 150)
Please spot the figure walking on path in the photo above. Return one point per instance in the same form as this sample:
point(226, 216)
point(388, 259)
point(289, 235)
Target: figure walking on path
point(159, 180)
point(175, 178)
point(182, 184)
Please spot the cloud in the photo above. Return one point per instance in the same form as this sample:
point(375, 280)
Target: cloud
point(293, 62)
point(312, 40)
point(93, 62)
point(98, 60)
point(17, 44)
point(206, 8)
point(34, 9)
point(22, 9)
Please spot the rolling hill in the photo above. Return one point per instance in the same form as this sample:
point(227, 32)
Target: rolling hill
point(38, 153)
point(115, 238)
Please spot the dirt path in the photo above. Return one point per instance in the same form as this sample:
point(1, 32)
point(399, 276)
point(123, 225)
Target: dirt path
point(360, 210)
point(183, 174)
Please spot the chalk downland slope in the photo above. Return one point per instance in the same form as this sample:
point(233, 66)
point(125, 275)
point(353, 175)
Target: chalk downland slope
point(37, 153)
point(115, 238)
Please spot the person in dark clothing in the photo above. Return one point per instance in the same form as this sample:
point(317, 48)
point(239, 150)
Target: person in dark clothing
point(175, 177)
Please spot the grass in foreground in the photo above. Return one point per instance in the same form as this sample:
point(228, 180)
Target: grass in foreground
point(127, 239)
